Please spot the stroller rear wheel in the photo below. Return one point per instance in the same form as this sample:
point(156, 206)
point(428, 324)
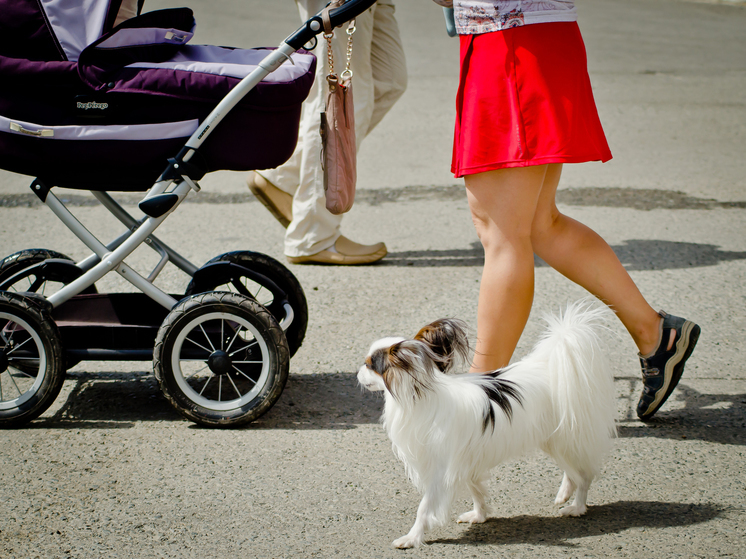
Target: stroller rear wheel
point(31, 362)
point(239, 283)
point(41, 271)
point(221, 359)
point(19, 272)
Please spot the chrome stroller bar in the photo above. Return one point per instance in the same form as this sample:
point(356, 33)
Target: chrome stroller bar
point(109, 260)
point(131, 223)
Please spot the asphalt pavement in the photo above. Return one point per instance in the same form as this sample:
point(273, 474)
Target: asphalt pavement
point(112, 471)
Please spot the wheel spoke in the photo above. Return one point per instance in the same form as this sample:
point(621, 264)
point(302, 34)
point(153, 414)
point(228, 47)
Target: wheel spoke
point(38, 282)
point(22, 372)
point(250, 362)
point(24, 342)
point(187, 339)
point(205, 386)
point(11, 328)
point(246, 347)
point(241, 288)
point(207, 338)
point(197, 371)
point(234, 386)
point(238, 331)
point(220, 388)
point(244, 374)
point(16, 385)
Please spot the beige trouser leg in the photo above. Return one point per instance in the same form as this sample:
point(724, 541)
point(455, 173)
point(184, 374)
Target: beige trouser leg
point(379, 79)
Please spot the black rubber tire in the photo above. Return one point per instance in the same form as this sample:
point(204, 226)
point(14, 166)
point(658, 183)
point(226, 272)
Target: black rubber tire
point(285, 280)
point(19, 261)
point(46, 378)
point(210, 318)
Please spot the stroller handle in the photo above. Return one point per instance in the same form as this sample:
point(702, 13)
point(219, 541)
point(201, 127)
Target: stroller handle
point(346, 12)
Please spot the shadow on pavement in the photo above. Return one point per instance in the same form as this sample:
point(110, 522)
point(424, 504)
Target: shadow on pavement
point(715, 418)
point(639, 255)
point(635, 255)
point(118, 400)
point(600, 520)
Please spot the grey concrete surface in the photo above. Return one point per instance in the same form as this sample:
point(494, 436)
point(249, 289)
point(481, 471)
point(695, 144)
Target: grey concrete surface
point(111, 471)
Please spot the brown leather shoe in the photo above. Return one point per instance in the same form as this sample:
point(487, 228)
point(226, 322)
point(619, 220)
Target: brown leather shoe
point(278, 202)
point(348, 253)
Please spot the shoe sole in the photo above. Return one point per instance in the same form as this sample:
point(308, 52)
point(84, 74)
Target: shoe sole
point(675, 366)
point(267, 203)
point(343, 261)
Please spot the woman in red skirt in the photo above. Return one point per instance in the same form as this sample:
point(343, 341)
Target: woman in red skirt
point(524, 108)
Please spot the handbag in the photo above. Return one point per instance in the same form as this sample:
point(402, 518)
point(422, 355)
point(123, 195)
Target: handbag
point(339, 150)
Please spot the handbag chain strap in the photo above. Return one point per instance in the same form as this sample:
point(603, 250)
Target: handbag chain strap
point(332, 79)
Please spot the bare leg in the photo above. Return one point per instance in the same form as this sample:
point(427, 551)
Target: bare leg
point(581, 255)
point(503, 203)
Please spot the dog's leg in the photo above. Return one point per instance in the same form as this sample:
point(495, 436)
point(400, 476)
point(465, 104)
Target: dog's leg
point(479, 496)
point(565, 491)
point(421, 524)
point(578, 506)
point(431, 512)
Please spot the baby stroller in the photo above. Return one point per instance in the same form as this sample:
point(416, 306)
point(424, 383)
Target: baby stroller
point(91, 102)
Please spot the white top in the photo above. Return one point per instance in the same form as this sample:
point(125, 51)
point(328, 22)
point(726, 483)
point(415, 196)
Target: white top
point(485, 16)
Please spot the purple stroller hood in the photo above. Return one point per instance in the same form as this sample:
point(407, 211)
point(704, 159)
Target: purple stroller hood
point(55, 29)
point(87, 104)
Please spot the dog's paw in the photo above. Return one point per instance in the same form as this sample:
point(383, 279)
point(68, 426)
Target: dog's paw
point(472, 517)
point(565, 491)
point(405, 542)
point(573, 510)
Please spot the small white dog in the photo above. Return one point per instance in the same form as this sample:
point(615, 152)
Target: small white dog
point(450, 430)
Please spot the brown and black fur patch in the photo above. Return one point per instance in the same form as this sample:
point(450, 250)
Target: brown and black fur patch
point(446, 338)
point(501, 392)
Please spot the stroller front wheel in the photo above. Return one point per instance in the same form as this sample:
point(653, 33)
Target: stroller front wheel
point(31, 362)
point(221, 359)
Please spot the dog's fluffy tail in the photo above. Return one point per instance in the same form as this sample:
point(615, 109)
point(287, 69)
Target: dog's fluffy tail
point(582, 387)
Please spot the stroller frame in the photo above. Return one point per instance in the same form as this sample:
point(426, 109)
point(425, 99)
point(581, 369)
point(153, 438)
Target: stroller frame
point(219, 319)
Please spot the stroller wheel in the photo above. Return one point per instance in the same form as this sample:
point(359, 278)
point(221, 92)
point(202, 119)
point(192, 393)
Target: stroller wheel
point(20, 272)
point(221, 359)
point(238, 283)
point(31, 362)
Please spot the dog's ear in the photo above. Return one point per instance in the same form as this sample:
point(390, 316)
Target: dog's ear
point(446, 338)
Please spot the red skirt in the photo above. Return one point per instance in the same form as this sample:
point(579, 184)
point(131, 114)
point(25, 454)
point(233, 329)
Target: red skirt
point(525, 99)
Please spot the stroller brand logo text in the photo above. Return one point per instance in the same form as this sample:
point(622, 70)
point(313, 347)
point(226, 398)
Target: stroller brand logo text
point(92, 105)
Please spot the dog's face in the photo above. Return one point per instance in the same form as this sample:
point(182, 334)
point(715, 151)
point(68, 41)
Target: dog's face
point(377, 362)
point(406, 368)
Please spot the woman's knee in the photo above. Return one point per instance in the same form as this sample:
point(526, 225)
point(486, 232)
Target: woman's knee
point(546, 224)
